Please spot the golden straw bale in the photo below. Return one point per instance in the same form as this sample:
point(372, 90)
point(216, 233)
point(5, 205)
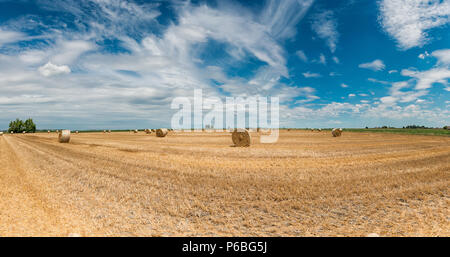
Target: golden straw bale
point(241, 138)
point(162, 132)
point(64, 136)
point(336, 132)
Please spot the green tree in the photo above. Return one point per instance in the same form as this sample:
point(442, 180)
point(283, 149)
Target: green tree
point(29, 126)
point(16, 126)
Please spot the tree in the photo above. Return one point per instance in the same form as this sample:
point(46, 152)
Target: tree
point(29, 125)
point(18, 126)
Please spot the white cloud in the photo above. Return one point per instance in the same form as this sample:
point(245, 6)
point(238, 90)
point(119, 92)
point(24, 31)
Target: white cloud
point(351, 95)
point(336, 60)
point(311, 75)
point(397, 93)
point(392, 71)
point(378, 81)
point(344, 85)
point(32, 56)
point(388, 100)
point(51, 69)
point(301, 55)
point(334, 74)
point(408, 20)
point(376, 65)
point(442, 55)
point(310, 98)
point(426, 79)
point(321, 60)
point(423, 55)
point(325, 26)
point(68, 51)
point(7, 36)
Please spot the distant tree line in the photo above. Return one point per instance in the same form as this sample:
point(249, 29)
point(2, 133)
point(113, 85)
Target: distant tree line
point(18, 126)
point(410, 127)
point(415, 127)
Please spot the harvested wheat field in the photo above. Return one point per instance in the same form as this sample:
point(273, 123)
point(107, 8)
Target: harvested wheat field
point(197, 184)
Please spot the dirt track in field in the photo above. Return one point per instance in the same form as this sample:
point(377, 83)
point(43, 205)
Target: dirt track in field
point(196, 184)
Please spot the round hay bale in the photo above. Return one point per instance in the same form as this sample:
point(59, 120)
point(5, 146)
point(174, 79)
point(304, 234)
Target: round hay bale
point(24, 132)
point(109, 131)
point(64, 136)
point(135, 131)
point(336, 132)
point(76, 132)
point(48, 131)
point(104, 131)
point(153, 130)
point(162, 132)
point(1, 133)
point(320, 130)
point(241, 138)
point(12, 132)
point(148, 131)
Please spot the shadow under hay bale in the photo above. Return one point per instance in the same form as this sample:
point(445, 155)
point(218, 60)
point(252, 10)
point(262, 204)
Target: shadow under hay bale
point(241, 138)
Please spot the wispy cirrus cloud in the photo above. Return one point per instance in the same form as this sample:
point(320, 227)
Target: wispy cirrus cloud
point(311, 75)
point(110, 55)
point(281, 17)
point(8, 36)
point(302, 55)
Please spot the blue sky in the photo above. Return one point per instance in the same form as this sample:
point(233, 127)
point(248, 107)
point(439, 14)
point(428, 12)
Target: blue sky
point(95, 64)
